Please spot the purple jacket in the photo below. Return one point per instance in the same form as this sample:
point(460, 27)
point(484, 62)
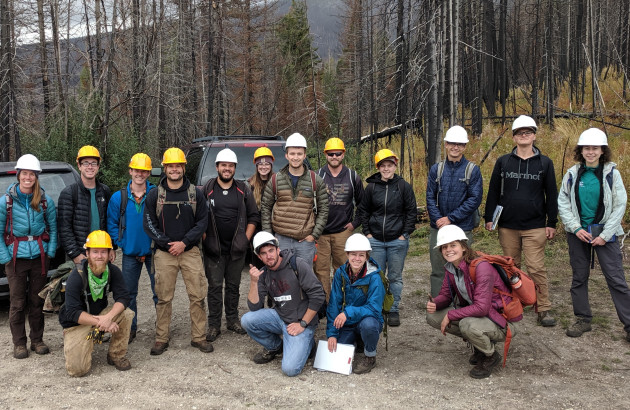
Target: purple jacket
point(485, 302)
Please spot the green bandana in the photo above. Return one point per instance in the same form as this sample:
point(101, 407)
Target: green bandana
point(97, 285)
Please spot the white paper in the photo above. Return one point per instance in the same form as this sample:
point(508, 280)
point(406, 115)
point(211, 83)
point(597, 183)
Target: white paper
point(338, 362)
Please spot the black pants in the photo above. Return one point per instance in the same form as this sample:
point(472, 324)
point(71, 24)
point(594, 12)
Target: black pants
point(217, 272)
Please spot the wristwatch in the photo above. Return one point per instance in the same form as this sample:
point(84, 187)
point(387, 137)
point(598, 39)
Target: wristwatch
point(303, 323)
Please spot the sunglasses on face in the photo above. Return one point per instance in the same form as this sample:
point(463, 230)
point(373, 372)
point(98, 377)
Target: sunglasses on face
point(334, 154)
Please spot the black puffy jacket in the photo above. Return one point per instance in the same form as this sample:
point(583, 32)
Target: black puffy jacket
point(388, 208)
point(73, 218)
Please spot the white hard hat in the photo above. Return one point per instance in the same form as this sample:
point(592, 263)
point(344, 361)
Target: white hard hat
point(296, 140)
point(448, 234)
point(593, 136)
point(226, 155)
point(523, 121)
point(457, 135)
point(30, 162)
point(264, 238)
point(358, 242)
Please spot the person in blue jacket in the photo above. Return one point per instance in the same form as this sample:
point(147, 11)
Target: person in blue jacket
point(127, 232)
point(454, 193)
point(29, 222)
point(354, 311)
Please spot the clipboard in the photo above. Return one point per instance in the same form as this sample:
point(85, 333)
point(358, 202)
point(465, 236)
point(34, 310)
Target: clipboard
point(337, 362)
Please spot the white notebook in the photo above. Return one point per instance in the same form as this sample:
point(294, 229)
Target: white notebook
point(338, 362)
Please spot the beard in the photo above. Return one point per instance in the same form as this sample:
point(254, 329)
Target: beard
point(97, 267)
point(226, 179)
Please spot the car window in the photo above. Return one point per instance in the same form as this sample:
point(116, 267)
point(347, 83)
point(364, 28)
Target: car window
point(53, 184)
point(245, 167)
point(192, 162)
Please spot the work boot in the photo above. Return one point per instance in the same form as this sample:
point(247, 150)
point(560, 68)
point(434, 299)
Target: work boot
point(212, 334)
point(476, 357)
point(364, 365)
point(40, 348)
point(545, 319)
point(20, 352)
point(132, 336)
point(236, 328)
point(159, 348)
point(121, 364)
point(394, 319)
point(203, 345)
point(579, 327)
point(484, 368)
point(267, 355)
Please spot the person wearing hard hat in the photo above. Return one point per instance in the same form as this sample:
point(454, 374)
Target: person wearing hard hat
point(454, 193)
point(83, 205)
point(295, 203)
point(85, 315)
point(354, 313)
point(125, 225)
point(468, 308)
point(592, 203)
point(289, 326)
point(523, 183)
point(175, 218)
point(388, 216)
point(29, 222)
point(345, 192)
point(263, 160)
point(232, 219)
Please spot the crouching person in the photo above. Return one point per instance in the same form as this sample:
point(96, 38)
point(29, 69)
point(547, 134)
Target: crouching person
point(85, 309)
point(469, 309)
point(289, 326)
point(356, 303)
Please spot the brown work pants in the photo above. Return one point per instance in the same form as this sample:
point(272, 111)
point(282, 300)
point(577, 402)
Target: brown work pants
point(330, 250)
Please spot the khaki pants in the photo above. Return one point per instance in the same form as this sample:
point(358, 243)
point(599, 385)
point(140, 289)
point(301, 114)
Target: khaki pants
point(167, 267)
point(481, 332)
point(532, 243)
point(78, 349)
point(330, 249)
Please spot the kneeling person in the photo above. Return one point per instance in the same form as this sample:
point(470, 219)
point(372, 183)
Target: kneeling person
point(85, 308)
point(469, 309)
point(289, 326)
point(356, 303)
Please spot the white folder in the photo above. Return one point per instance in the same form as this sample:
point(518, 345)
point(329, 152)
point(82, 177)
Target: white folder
point(338, 362)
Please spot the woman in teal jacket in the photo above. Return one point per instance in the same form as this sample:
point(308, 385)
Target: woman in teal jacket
point(29, 221)
point(356, 302)
point(591, 203)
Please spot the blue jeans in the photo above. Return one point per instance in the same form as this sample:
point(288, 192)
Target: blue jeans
point(390, 257)
point(131, 270)
point(305, 249)
point(266, 328)
point(369, 329)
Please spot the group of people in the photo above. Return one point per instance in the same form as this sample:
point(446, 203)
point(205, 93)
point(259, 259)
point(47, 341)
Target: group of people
point(205, 233)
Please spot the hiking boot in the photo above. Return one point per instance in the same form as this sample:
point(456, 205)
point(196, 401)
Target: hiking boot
point(159, 348)
point(364, 365)
point(236, 328)
point(476, 357)
point(267, 355)
point(484, 368)
point(394, 319)
point(40, 348)
point(132, 336)
point(121, 364)
point(203, 345)
point(20, 352)
point(578, 328)
point(545, 319)
point(212, 334)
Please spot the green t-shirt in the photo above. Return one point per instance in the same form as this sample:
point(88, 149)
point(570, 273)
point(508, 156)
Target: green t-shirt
point(95, 220)
point(589, 196)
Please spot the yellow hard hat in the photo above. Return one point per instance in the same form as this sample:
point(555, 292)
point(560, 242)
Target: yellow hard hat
point(98, 239)
point(263, 152)
point(88, 151)
point(385, 154)
point(334, 144)
point(173, 156)
point(140, 161)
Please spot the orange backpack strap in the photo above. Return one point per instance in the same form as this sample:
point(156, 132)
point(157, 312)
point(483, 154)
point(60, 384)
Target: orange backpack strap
point(508, 339)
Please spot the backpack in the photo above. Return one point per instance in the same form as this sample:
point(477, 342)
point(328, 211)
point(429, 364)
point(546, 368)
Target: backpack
point(523, 295)
point(161, 199)
point(58, 293)
point(470, 167)
point(274, 185)
point(122, 221)
point(388, 301)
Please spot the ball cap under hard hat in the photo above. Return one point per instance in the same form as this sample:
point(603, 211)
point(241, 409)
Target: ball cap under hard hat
point(593, 136)
point(448, 234)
